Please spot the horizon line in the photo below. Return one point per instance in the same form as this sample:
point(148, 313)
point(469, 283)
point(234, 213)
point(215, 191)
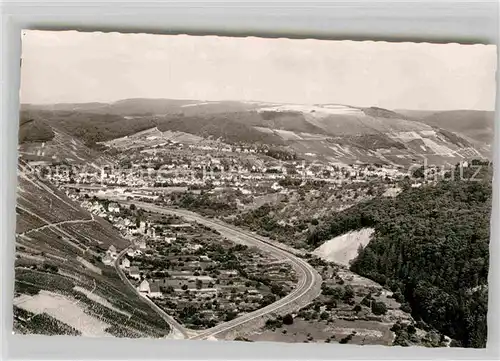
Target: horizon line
point(253, 101)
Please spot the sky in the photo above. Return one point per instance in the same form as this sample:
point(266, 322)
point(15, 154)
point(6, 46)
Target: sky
point(77, 67)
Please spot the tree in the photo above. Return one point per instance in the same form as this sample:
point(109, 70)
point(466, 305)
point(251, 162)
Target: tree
point(398, 296)
point(367, 300)
point(274, 323)
point(346, 339)
point(348, 292)
point(278, 290)
point(317, 307)
point(267, 300)
point(379, 308)
point(405, 307)
point(288, 319)
point(240, 338)
point(419, 172)
point(396, 327)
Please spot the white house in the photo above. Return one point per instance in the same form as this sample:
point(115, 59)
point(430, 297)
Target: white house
point(276, 186)
point(151, 232)
point(137, 253)
point(195, 247)
point(114, 207)
point(144, 287)
point(107, 259)
point(141, 243)
point(230, 272)
point(111, 251)
point(170, 239)
point(125, 263)
point(154, 290)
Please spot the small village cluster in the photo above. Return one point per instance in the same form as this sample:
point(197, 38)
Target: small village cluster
point(181, 265)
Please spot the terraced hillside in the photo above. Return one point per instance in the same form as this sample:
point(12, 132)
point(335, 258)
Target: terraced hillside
point(61, 286)
point(371, 135)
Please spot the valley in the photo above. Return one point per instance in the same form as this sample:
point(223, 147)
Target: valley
point(252, 221)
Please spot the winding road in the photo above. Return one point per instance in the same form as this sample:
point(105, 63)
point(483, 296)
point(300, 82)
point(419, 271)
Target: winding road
point(308, 286)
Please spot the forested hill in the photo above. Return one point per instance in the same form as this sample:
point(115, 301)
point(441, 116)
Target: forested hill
point(431, 244)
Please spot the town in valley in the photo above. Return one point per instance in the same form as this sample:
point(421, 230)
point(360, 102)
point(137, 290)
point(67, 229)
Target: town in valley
point(253, 221)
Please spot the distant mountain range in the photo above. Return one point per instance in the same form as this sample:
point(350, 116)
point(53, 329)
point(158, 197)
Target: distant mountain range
point(331, 132)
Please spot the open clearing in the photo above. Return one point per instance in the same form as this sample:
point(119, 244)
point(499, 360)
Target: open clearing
point(344, 248)
point(65, 310)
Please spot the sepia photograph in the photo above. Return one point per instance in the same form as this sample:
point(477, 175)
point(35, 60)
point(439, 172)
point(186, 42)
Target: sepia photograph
point(254, 189)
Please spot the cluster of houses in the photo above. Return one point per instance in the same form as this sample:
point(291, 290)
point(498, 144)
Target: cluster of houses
point(151, 290)
point(127, 226)
point(224, 148)
point(146, 288)
point(98, 208)
point(174, 262)
point(221, 167)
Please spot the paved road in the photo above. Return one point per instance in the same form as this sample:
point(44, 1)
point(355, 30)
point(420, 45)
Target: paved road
point(307, 288)
point(176, 327)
